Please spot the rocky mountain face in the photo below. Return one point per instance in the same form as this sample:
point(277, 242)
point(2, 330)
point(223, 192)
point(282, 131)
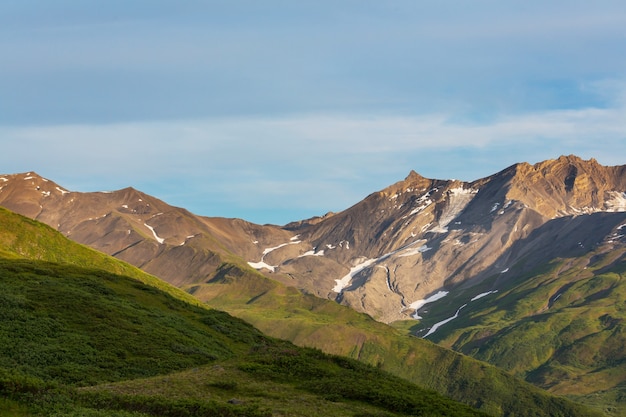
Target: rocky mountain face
point(387, 256)
point(390, 253)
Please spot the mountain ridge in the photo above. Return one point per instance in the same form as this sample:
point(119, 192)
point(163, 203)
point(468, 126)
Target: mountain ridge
point(388, 237)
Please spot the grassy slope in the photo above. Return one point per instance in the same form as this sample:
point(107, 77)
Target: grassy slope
point(64, 327)
point(309, 321)
point(561, 327)
point(21, 237)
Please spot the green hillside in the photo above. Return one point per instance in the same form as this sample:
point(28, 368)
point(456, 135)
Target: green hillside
point(561, 327)
point(24, 238)
point(84, 341)
point(84, 334)
point(286, 313)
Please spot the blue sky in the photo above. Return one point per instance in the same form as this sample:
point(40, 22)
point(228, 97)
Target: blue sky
point(275, 111)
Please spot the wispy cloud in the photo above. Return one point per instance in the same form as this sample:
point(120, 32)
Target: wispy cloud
point(311, 163)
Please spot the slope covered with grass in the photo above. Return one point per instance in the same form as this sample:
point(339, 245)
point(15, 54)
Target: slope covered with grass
point(85, 341)
point(306, 320)
point(561, 327)
point(22, 237)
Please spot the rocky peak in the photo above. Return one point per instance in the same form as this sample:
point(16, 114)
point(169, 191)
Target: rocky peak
point(413, 187)
point(25, 192)
point(414, 176)
point(26, 178)
point(567, 186)
point(416, 180)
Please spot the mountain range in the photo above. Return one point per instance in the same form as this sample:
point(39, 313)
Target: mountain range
point(488, 267)
point(84, 334)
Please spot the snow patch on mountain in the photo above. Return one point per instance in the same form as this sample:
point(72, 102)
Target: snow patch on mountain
point(268, 250)
point(312, 253)
point(441, 323)
point(272, 249)
point(158, 239)
point(425, 202)
point(617, 202)
point(458, 199)
point(386, 268)
point(186, 239)
point(414, 251)
point(345, 281)
point(484, 294)
point(617, 235)
point(262, 264)
point(416, 305)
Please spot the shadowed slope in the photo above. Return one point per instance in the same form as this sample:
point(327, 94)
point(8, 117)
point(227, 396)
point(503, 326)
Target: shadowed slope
point(558, 324)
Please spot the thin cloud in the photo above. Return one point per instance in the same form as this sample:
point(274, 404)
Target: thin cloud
point(315, 163)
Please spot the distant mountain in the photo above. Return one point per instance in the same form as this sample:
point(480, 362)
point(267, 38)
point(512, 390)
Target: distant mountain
point(419, 236)
point(77, 338)
point(405, 253)
point(167, 241)
point(382, 256)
